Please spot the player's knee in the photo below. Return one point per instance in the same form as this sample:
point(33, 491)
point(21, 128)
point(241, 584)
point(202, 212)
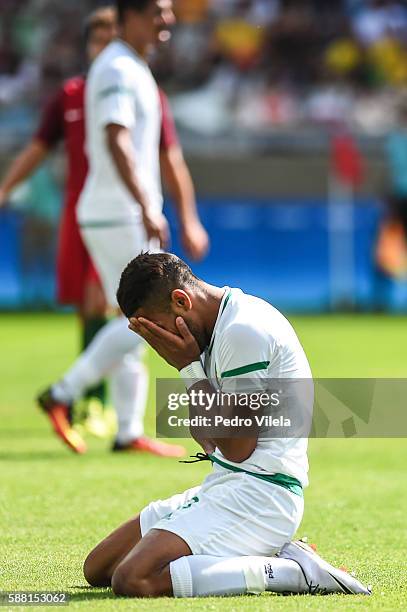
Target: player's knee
point(89, 570)
point(93, 572)
point(127, 583)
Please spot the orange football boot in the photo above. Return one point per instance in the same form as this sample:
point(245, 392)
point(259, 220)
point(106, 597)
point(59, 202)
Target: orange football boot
point(59, 415)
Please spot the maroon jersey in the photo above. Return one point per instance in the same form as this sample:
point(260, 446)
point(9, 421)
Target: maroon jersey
point(63, 119)
point(169, 136)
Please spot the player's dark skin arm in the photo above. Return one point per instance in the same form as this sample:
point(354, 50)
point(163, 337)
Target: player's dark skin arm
point(122, 151)
point(179, 183)
point(233, 449)
point(179, 351)
point(22, 167)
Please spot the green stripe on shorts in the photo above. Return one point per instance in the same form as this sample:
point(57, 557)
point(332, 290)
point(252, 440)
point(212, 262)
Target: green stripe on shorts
point(282, 480)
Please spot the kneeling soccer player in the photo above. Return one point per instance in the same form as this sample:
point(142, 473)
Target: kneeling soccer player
point(231, 535)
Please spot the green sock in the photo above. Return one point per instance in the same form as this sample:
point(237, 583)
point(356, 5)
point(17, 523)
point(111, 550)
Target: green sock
point(90, 328)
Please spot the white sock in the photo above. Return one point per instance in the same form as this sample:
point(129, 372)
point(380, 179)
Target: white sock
point(129, 391)
point(103, 354)
point(202, 575)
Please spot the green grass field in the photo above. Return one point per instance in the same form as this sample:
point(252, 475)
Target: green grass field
point(55, 506)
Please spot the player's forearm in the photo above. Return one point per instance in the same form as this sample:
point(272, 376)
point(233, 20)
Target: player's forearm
point(236, 449)
point(233, 449)
point(121, 148)
point(24, 165)
point(178, 182)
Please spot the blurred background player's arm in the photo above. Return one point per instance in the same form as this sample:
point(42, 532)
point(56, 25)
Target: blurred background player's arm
point(22, 167)
point(178, 181)
point(32, 156)
point(122, 151)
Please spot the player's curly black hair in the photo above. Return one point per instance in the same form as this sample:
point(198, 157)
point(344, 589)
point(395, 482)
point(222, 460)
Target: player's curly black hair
point(150, 278)
point(135, 5)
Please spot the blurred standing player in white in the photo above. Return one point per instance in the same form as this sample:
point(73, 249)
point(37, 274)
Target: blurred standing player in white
point(120, 212)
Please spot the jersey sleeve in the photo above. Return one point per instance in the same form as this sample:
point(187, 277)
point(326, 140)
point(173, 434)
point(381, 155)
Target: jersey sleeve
point(115, 99)
point(245, 358)
point(169, 136)
point(51, 128)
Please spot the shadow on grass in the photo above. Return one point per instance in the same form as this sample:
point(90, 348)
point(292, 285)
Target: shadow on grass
point(87, 593)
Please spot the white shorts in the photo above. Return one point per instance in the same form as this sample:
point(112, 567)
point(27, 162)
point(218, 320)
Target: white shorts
point(111, 248)
point(231, 514)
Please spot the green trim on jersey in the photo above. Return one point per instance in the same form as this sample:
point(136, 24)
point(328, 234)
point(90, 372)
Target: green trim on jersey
point(107, 223)
point(223, 310)
point(253, 367)
point(282, 480)
point(115, 89)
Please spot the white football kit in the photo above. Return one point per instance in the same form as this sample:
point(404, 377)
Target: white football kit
point(253, 507)
point(120, 90)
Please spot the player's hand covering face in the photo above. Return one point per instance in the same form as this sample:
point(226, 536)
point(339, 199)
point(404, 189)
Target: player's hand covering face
point(178, 350)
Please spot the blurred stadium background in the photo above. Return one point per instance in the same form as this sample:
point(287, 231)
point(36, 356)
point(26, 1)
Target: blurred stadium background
point(284, 108)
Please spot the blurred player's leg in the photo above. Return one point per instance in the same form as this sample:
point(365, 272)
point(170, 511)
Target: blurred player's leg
point(104, 354)
point(93, 311)
point(78, 283)
point(129, 390)
point(93, 413)
point(115, 351)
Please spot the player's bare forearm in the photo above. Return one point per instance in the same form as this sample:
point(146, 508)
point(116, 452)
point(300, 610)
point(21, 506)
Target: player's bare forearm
point(22, 167)
point(207, 444)
point(122, 151)
point(121, 148)
point(178, 181)
point(233, 449)
point(236, 449)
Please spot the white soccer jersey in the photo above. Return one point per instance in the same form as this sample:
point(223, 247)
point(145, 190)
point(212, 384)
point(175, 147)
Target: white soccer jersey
point(120, 90)
point(252, 340)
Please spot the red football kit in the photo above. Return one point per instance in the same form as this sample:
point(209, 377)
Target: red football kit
point(63, 119)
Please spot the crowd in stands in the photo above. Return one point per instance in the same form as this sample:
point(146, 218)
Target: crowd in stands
point(248, 64)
